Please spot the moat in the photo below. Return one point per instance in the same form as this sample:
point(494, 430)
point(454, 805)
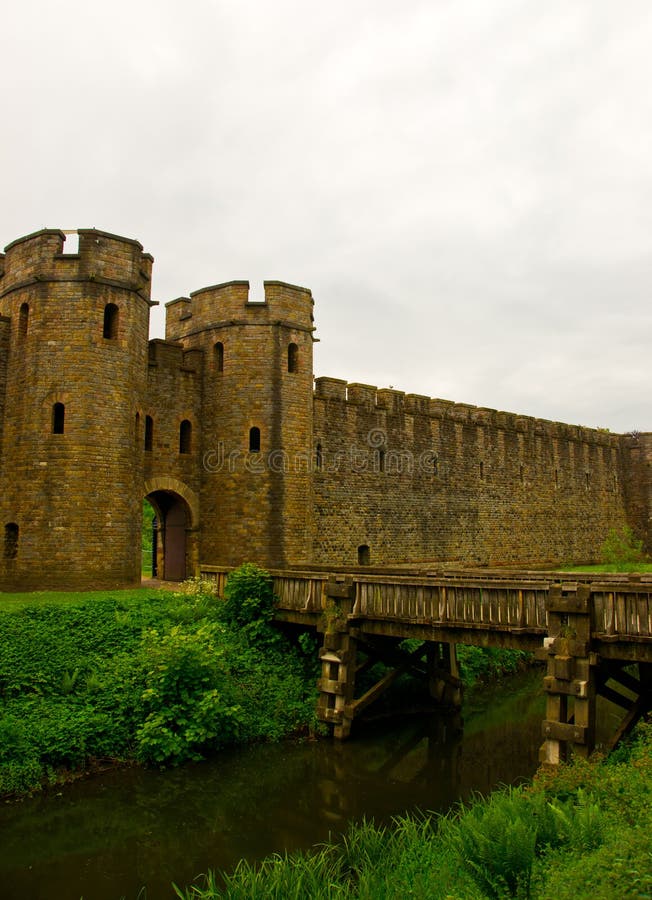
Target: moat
point(109, 836)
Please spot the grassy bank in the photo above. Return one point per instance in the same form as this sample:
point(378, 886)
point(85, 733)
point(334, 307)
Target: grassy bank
point(580, 834)
point(622, 551)
point(154, 677)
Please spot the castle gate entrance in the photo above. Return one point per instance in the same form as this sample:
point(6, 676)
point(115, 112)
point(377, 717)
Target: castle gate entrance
point(173, 522)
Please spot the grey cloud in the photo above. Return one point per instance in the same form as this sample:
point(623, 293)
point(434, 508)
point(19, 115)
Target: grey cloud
point(466, 187)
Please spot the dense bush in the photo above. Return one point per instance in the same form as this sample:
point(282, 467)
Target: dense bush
point(161, 679)
point(622, 550)
point(188, 700)
point(249, 601)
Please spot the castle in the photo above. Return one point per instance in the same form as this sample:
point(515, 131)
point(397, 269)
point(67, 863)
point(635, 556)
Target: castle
point(244, 455)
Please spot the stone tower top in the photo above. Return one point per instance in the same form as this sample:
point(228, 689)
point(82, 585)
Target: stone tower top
point(228, 304)
point(102, 257)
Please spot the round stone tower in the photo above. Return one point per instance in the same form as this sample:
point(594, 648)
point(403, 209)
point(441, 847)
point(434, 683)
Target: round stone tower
point(76, 329)
point(257, 407)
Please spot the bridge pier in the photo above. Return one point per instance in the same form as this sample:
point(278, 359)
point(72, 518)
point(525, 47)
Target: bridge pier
point(338, 656)
point(577, 675)
point(347, 651)
point(444, 682)
point(570, 680)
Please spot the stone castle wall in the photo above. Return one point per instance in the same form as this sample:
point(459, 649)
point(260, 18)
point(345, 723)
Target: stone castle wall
point(417, 478)
point(244, 456)
point(173, 395)
point(5, 332)
point(638, 484)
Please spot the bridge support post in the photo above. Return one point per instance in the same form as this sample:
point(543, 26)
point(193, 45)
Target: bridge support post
point(444, 683)
point(338, 658)
point(346, 651)
point(570, 681)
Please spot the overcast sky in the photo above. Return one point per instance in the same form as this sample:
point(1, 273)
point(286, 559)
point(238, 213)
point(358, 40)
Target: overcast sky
point(465, 185)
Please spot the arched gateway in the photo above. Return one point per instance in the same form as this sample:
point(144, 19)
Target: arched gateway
point(177, 516)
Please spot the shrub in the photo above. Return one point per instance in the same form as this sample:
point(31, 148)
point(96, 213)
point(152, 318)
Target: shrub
point(485, 663)
point(163, 678)
point(622, 549)
point(186, 699)
point(249, 601)
point(20, 775)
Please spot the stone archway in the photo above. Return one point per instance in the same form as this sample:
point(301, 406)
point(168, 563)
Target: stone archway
point(177, 514)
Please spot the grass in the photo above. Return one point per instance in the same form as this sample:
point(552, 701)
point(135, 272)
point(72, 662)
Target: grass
point(13, 602)
point(635, 569)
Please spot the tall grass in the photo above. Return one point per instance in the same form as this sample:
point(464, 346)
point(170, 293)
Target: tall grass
point(580, 834)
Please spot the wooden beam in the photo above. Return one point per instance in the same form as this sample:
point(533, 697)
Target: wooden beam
point(391, 655)
point(625, 679)
point(562, 731)
point(615, 697)
point(355, 707)
point(639, 709)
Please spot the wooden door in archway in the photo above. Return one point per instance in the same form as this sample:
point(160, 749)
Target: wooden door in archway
point(175, 541)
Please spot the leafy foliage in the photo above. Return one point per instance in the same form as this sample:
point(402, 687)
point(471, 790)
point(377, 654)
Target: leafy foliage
point(160, 678)
point(186, 700)
point(249, 601)
point(621, 550)
point(147, 534)
point(488, 663)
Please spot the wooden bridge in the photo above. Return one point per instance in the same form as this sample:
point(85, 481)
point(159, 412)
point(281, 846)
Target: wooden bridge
point(594, 635)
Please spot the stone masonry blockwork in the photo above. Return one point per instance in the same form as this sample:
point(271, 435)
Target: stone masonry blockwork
point(244, 455)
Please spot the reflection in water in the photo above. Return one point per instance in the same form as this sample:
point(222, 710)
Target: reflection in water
point(107, 837)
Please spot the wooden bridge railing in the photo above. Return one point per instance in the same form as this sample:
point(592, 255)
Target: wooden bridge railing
point(622, 610)
point(302, 592)
point(501, 605)
point(621, 607)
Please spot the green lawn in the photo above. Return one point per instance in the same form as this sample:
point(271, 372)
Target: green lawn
point(634, 568)
point(10, 602)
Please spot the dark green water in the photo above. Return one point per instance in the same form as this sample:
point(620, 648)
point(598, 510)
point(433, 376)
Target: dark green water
point(107, 837)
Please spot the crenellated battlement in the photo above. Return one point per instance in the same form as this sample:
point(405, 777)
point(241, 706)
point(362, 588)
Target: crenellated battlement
point(224, 304)
point(396, 402)
point(100, 256)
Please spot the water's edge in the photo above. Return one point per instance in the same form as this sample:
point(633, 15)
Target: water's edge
point(106, 837)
